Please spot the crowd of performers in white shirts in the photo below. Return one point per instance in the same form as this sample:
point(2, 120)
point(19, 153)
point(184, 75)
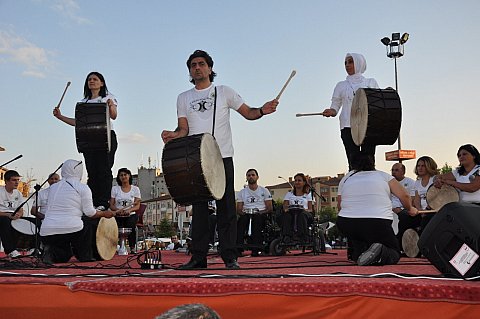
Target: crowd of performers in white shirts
point(364, 196)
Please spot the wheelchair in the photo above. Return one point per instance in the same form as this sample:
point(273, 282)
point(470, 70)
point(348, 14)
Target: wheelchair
point(314, 239)
point(270, 231)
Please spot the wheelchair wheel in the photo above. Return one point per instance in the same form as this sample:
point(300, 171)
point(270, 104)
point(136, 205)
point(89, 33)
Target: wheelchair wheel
point(276, 248)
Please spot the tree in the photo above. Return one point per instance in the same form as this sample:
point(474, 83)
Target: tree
point(445, 169)
point(165, 229)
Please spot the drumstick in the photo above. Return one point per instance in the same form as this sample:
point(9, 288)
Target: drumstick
point(309, 114)
point(428, 211)
point(61, 99)
point(286, 83)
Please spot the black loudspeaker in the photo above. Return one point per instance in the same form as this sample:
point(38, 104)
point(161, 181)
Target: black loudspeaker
point(451, 240)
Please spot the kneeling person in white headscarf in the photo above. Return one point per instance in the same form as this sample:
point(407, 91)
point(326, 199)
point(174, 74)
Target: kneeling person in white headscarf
point(63, 232)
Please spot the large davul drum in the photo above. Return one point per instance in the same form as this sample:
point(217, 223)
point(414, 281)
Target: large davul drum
point(376, 116)
point(92, 127)
point(193, 169)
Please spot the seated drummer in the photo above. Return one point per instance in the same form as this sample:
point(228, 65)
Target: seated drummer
point(10, 199)
point(63, 232)
point(253, 196)
point(297, 205)
point(125, 201)
point(465, 177)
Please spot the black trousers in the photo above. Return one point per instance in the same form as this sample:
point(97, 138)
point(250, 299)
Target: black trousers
point(99, 169)
point(226, 221)
point(7, 235)
point(296, 222)
point(351, 149)
point(129, 222)
point(255, 240)
point(363, 232)
point(62, 247)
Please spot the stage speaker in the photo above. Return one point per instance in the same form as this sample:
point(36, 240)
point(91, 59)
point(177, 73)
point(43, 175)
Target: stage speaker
point(450, 241)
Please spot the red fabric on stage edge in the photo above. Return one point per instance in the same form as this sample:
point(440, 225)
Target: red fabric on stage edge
point(54, 301)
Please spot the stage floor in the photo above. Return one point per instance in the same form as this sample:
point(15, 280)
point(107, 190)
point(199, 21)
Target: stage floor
point(292, 286)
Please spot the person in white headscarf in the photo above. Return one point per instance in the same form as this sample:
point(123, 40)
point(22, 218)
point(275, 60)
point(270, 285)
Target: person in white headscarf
point(343, 94)
point(63, 229)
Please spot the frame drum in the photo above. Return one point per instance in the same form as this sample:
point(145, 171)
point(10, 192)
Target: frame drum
point(193, 169)
point(438, 197)
point(107, 238)
point(410, 243)
point(376, 116)
point(92, 127)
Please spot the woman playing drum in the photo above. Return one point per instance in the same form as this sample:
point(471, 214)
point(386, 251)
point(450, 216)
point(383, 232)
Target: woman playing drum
point(98, 163)
point(343, 94)
point(125, 201)
point(426, 169)
point(465, 177)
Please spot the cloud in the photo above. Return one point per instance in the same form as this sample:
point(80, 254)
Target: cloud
point(69, 9)
point(16, 49)
point(133, 138)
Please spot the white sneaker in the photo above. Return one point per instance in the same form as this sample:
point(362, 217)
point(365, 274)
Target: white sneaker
point(30, 252)
point(14, 254)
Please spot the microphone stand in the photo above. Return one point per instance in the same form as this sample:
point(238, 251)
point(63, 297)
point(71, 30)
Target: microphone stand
point(37, 226)
point(19, 156)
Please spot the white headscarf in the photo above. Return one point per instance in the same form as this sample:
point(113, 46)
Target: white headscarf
point(72, 169)
point(360, 66)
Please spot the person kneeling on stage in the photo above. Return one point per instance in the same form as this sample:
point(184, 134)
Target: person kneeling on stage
point(297, 205)
point(258, 201)
point(365, 212)
point(63, 229)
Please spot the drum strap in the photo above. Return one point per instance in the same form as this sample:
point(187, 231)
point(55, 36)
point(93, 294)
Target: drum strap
point(214, 111)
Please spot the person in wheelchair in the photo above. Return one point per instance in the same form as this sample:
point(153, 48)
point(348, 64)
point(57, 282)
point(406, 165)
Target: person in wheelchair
point(297, 207)
point(252, 204)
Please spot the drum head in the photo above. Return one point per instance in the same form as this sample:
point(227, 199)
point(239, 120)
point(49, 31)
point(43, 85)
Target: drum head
point(359, 117)
point(107, 237)
point(438, 197)
point(409, 243)
point(24, 226)
point(212, 166)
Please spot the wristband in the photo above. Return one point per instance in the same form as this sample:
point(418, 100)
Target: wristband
point(261, 112)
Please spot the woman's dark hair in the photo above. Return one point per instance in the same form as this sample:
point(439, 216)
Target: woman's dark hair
point(87, 93)
point(363, 162)
point(208, 59)
point(472, 150)
point(306, 187)
point(124, 170)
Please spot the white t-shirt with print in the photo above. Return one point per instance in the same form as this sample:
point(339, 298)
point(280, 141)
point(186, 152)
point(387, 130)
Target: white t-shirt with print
point(294, 200)
point(123, 199)
point(197, 107)
point(466, 196)
point(254, 199)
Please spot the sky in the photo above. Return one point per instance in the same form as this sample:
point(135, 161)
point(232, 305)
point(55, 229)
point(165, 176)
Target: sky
point(141, 48)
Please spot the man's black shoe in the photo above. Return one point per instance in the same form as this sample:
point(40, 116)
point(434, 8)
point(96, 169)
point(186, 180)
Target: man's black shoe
point(194, 264)
point(232, 264)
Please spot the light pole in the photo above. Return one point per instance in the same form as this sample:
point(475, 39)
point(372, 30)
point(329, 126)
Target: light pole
point(286, 181)
point(395, 50)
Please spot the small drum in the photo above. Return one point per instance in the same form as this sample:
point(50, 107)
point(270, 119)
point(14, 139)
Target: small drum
point(107, 238)
point(25, 227)
point(438, 197)
point(193, 169)
point(123, 233)
point(410, 243)
point(92, 127)
point(376, 116)
point(251, 211)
